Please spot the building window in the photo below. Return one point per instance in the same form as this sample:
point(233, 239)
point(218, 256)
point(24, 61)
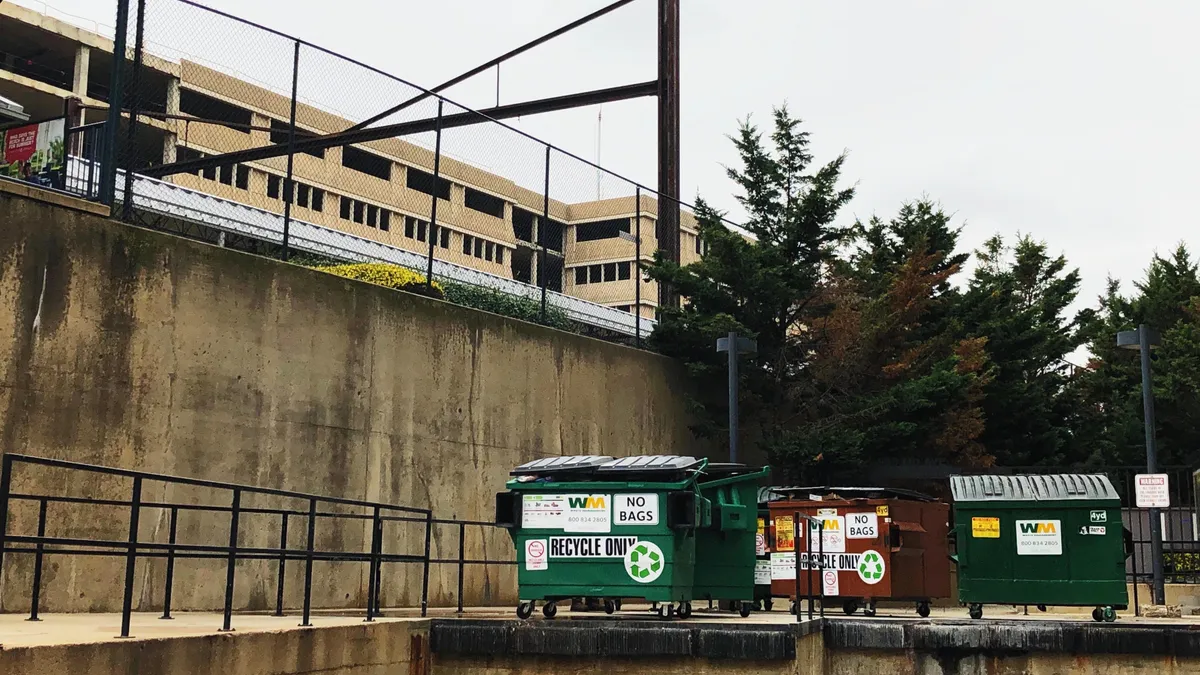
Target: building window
point(604, 229)
point(500, 254)
point(522, 222)
point(488, 250)
point(581, 276)
point(208, 108)
point(243, 177)
point(697, 238)
point(303, 195)
point(610, 272)
point(421, 230)
point(279, 136)
point(623, 270)
point(478, 247)
point(373, 216)
point(445, 232)
point(484, 203)
point(359, 209)
point(273, 187)
point(317, 203)
point(209, 172)
point(365, 162)
point(595, 274)
point(550, 235)
point(346, 206)
point(410, 227)
point(625, 308)
point(424, 182)
point(467, 244)
point(385, 220)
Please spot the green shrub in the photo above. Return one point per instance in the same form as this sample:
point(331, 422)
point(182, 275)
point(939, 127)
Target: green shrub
point(504, 304)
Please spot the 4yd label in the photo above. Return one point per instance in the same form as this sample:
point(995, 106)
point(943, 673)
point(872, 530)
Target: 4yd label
point(636, 509)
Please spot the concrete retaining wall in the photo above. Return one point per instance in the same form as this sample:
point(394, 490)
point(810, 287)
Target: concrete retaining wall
point(130, 348)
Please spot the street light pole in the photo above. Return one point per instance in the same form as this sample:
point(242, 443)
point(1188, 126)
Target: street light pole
point(1144, 339)
point(735, 346)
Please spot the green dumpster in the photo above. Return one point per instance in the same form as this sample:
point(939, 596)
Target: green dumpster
point(1039, 540)
point(725, 549)
point(604, 528)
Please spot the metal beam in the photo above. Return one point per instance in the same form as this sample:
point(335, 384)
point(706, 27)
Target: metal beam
point(494, 62)
point(316, 143)
point(668, 136)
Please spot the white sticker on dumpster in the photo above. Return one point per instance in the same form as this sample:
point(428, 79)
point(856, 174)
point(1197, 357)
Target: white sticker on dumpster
point(588, 513)
point(543, 512)
point(636, 509)
point(535, 555)
point(1039, 537)
point(783, 565)
point(762, 572)
point(862, 526)
point(590, 547)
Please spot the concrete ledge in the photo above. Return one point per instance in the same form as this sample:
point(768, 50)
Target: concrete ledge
point(618, 638)
point(29, 191)
point(1015, 636)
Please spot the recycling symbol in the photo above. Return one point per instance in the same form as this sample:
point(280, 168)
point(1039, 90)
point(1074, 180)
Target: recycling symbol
point(871, 567)
point(644, 562)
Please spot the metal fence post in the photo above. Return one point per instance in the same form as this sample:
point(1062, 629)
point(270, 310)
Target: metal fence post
point(543, 229)
point(637, 277)
point(437, 177)
point(289, 186)
point(174, 529)
point(425, 570)
point(821, 563)
point(231, 560)
point(308, 561)
point(462, 551)
point(283, 539)
point(379, 572)
point(134, 106)
point(6, 465)
point(372, 578)
point(116, 89)
point(37, 562)
point(135, 510)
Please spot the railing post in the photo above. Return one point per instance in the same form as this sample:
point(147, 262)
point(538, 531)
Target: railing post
point(37, 562)
point(283, 540)
point(308, 561)
point(171, 536)
point(433, 209)
point(543, 228)
point(116, 88)
point(289, 186)
point(821, 561)
point(231, 560)
point(372, 579)
point(462, 530)
point(796, 580)
point(425, 567)
point(6, 465)
point(135, 510)
point(134, 109)
point(379, 572)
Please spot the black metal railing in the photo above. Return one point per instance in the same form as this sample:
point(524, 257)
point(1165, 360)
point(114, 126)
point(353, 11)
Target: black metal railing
point(133, 547)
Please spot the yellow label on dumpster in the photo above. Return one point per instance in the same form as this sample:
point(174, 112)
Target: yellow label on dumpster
point(785, 533)
point(985, 528)
point(881, 511)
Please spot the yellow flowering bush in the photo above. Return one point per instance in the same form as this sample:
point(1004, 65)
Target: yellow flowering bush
point(384, 274)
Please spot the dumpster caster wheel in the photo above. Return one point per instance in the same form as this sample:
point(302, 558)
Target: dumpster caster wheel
point(767, 604)
point(850, 607)
point(525, 610)
point(792, 607)
point(869, 610)
point(610, 606)
point(549, 610)
point(1097, 615)
point(666, 611)
point(618, 601)
point(976, 611)
point(1109, 614)
point(745, 609)
point(1041, 608)
point(685, 610)
point(923, 609)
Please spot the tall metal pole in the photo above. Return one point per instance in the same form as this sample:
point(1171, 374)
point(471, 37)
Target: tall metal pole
point(289, 185)
point(543, 231)
point(668, 137)
point(733, 397)
point(1156, 542)
point(437, 177)
point(135, 104)
point(116, 90)
point(637, 270)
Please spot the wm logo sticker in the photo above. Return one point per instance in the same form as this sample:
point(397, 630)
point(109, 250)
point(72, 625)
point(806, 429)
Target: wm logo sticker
point(1038, 528)
point(590, 502)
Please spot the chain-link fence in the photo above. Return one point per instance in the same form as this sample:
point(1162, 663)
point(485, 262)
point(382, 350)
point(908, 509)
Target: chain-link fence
point(242, 136)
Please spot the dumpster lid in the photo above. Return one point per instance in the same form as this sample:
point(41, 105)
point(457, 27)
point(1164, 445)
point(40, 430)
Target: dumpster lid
point(727, 469)
point(798, 492)
point(561, 465)
point(655, 464)
point(1050, 487)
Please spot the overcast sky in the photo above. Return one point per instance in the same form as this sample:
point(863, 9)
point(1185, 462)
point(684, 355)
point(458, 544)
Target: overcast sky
point(1073, 120)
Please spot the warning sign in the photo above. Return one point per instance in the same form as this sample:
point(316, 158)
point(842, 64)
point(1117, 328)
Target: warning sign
point(590, 547)
point(535, 555)
point(829, 581)
point(760, 539)
point(785, 533)
point(985, 528)
point(833, 535)
point(862, 526)
point(636, 509)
